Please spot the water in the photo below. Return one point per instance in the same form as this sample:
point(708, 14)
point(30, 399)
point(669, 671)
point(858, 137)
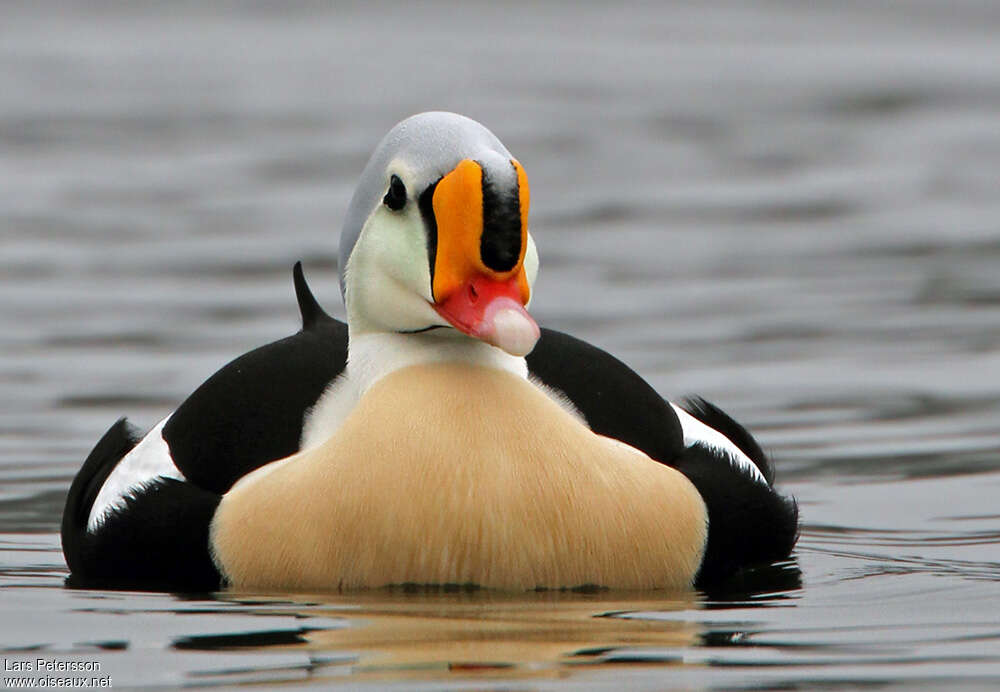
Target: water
point(790, 209)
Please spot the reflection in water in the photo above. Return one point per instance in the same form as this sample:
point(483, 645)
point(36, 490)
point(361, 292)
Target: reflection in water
point(760, 586)
point(519, 635)
point(766, 625)
point(384, 635)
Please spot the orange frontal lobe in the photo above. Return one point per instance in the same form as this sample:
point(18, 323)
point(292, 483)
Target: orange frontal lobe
point(458, 211)
point(471, 233)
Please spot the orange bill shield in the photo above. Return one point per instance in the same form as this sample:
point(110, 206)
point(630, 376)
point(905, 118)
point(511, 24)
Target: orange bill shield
point(477, 261)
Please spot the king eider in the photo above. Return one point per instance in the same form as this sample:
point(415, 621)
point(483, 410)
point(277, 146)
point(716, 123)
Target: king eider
point(438, 438)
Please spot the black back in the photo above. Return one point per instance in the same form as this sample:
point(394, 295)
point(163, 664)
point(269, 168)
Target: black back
point(251, 411)
point(613, 398)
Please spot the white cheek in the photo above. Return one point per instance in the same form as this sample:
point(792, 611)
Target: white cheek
point(388, 274)
point(402, 251)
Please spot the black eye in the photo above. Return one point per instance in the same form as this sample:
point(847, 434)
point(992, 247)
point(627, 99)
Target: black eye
point(395, 198)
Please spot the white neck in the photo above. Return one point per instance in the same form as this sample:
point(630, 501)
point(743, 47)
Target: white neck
point(373, 355)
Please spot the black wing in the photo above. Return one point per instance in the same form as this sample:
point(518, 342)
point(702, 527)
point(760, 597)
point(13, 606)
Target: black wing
point(247, 414)
point(251, 411)
point(614, 399)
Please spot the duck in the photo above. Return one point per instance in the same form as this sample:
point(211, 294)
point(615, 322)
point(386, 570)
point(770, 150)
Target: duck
point(440, 438)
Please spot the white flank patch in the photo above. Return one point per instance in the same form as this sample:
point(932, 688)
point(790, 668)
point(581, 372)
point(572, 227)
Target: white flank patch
point(147, 461)
point(695, 431)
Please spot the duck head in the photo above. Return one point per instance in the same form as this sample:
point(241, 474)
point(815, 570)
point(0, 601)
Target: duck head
point(436, 238)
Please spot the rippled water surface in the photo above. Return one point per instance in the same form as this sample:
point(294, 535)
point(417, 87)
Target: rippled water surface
point(792, 209)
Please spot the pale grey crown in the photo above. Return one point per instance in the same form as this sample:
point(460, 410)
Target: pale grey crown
point(431, 145)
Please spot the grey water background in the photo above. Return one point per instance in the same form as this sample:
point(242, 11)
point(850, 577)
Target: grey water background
point(792, 209)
